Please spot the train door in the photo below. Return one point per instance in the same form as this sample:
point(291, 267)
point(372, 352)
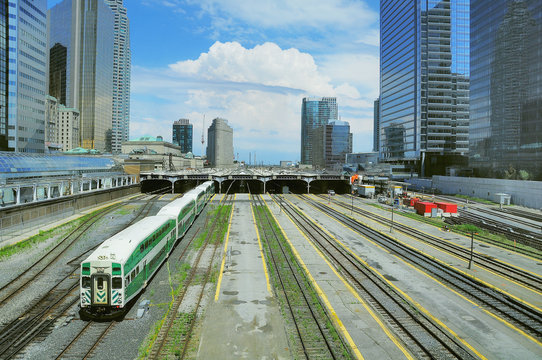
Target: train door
point(100, 289)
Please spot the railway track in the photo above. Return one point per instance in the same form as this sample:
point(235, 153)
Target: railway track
point(163, 339)
point(530, 280)
point(423, 338)
point(497, 227)
point(310, 325)
point(86, 341)
point(40, 316)
point(512, 311)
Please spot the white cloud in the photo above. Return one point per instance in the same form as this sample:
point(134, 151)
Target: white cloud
point(258, 90)
point(265, 64)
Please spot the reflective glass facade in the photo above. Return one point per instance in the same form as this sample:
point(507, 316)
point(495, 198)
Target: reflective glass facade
point(3, 75)
point(506, 88)
point(182, 135)
point(27, 37)
point(121, 76)
point(86, 29)
point(315, 112)
point(424, 82)
point(331, 143)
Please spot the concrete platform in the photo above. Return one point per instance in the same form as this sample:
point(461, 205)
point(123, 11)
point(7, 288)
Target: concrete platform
point(243, 321)
point(363, 327)
point(485, 334)
point(506, 285)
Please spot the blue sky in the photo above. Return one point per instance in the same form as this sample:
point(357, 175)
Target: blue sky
point(252, 62)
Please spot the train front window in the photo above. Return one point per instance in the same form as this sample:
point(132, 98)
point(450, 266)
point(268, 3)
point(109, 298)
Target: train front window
point(100, 284)
point(85, 281)
point(117, 283)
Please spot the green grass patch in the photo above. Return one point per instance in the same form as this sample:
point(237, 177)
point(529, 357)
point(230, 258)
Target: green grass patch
point(268, 231)
point(476, 199)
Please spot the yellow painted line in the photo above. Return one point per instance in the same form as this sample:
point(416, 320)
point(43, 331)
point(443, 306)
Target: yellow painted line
point(466, 238)
point(219, 282)
point(429, 276)
point(445, 264)
point(261, 251)
point(334, 317)
point(539, 343)
point(394, 339)
point(160, 198)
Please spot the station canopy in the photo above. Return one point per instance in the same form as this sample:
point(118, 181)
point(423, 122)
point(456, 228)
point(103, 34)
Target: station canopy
point(22, 165)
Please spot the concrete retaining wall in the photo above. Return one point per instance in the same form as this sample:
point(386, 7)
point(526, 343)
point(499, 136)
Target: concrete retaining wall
point(23, 217)
point(524, 193)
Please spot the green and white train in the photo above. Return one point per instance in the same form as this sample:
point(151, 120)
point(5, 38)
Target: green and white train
point(123, 264)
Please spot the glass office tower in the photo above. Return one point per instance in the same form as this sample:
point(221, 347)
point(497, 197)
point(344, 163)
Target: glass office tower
point(85, 28)
point(27, 37)
point(3, 75)
point(315, 112)
point(424, 84)
point(506, 89)
point(331, 143)
point(182, 135)
point(121, 76)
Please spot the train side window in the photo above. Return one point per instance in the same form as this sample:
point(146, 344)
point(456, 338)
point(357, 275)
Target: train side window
point(117, 283)
point(141, 247)
point(100, 283)
point(127, 280)
point(132, 275)
point(146, 244)
point(137, 269)
point(85, 281)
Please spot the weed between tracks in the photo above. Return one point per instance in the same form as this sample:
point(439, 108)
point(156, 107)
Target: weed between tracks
point(464, 229)
point(294, 292)
point(58, 231)
point(178, 332)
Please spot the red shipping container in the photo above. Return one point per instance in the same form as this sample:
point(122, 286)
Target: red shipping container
point(423, 208)
point(447, 207)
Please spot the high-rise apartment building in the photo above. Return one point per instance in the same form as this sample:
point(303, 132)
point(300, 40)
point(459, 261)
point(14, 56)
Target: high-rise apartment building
point(122, 63)
point(331, 143)
point(506, 89)
point(424, 83)
point(81, 62)
point(68, 128)
point(220, 143)
point(315, 112)
point(4, 79)
point(26, 80)
point(182, 135)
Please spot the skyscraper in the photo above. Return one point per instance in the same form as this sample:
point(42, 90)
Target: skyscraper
point(122, 63)
point(315, 112)
point(26, 56)
point(424, 83)
point(81, 40)
point(376, 125)
point(182, 135)
point(220, 143)
point(331, 143)
point(506, 89)
point(3, 79)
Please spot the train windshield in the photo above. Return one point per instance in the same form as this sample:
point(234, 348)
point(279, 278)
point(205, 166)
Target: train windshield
point(117, 283)
point(100, 283)
point(85, 282)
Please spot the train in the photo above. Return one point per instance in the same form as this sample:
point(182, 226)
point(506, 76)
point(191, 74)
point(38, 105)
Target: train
point(121, 267)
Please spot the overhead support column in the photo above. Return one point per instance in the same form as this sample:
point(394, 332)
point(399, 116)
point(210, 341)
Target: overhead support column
point(265, 180)
point(18, 195)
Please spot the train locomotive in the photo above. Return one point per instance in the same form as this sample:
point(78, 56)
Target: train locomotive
point(120, 268)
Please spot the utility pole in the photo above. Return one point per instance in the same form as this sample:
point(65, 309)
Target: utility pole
point(471, 248)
